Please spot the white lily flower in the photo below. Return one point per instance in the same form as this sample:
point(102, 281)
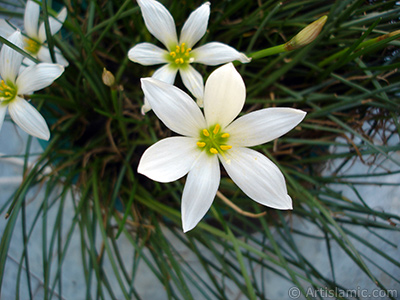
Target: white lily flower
point(14, 85)
point(212, 137)
point(179, 54)
point(35, 39)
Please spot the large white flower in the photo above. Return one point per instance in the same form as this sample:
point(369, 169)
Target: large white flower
point(35, 39)
point(180, 54)
point(212, 137)
point(13, 86)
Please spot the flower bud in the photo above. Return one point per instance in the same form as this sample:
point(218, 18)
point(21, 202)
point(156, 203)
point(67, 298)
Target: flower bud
point(108, 78)
point(307, 35)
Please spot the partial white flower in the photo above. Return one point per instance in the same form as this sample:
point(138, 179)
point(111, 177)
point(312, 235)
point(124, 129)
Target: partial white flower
point(14, 85)
point(216, 136)
point(179, 54)
point(35, 39)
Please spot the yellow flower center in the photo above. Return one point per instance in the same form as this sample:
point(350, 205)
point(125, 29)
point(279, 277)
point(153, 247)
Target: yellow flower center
point(7, 92)
point(31, 46)
point(181, 55)
point(213, 141)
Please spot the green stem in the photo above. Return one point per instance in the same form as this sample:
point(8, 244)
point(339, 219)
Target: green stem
point(268, 52)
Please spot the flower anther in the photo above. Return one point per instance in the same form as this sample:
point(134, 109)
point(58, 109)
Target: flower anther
point(213, 141)
point(7, 91)
point(181, 55)
point(32, 46)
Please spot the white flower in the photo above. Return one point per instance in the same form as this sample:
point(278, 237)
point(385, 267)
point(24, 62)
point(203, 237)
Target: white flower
point(180, 55)
point(35, 39)
point(13, 86)
point(216, 136)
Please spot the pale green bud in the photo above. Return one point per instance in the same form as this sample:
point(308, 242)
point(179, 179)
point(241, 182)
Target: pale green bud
point(108, 78)
point(307, 35)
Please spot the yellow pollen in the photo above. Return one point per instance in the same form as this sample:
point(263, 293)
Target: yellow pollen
point(181, 55)
point(7, 93)
point(213, 151)
point(216, 129)
point(31, 45)
point(205, 132)
point(201, 144)
point(225, 135)
point(225, 147)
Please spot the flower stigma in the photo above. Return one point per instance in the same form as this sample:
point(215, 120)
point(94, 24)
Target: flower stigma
point(7, 92)
point(181, 55)
point(32, 46)
point(213, 141)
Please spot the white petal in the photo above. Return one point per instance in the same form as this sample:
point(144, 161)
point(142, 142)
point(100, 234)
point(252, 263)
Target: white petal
point(224, 96)
point(200, 188)
point(31, 19)
point(215, 53)
point(28, 118)
point(3, 110)
point(193, 82)
point(264, 125)
point(195, 26)
point(26, 63)
point(257, 177)
point(55, 25)
point(6, 29)
point(37, 77)
point(169, 159)
point(159, 22)
point(173, 107)
point(10, 60)
point(44, 56)
point(147, 54)
point(166, 74)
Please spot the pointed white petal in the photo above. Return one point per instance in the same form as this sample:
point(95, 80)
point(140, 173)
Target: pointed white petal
point(6, 29)
point(44, 56)
point(3, 110)
point(10, 60)
point(224, 96)
point(193, 82)
point(165, 74)
point(215, 53)
point(159, 22)
point(264, 125)
point(147, 54)
point(173, 107)
point(257, 177)
point(169, 159)
point(28, 118)
point(37, 77)
point(54, 23)
point(26, 63)
point(195, 26)
point(31, 19)
point(200, 188)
